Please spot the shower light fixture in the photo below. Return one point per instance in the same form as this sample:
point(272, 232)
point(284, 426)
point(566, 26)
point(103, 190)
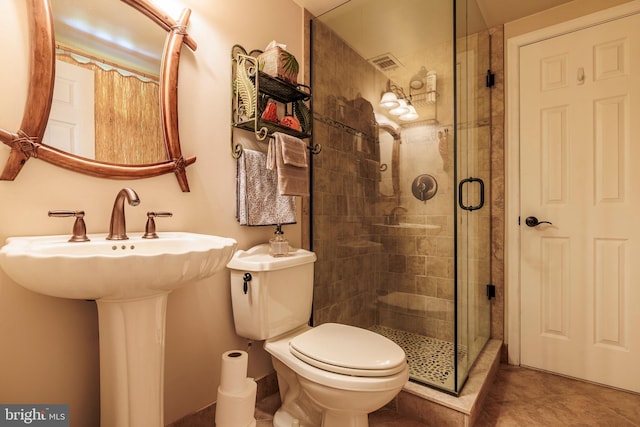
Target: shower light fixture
point(402, 108)
point(389, 100)
point(410, 115)
point(398, 103)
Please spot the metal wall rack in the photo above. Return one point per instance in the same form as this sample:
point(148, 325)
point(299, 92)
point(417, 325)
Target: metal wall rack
point(252, 90)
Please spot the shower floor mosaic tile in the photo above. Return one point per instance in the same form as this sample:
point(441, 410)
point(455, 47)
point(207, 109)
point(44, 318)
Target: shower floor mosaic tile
point(430, 360)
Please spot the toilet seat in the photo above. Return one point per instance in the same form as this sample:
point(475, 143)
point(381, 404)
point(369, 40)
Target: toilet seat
point(348, 350)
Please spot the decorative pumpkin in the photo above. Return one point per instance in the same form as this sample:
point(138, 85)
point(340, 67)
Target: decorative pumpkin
point(271, 112)
point(291, 122)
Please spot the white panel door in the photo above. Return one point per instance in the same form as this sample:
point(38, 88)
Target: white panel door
point(71, 122)
point(580, 170)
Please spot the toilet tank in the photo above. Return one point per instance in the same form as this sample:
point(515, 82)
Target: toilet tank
point(270, 295)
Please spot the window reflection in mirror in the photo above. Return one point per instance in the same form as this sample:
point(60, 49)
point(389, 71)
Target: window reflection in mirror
point(106, 94)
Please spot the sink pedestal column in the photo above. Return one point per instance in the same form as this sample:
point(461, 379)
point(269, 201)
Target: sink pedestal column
point(132, 361)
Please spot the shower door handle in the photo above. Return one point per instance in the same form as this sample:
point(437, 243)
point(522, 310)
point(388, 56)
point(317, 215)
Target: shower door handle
point(461, 187)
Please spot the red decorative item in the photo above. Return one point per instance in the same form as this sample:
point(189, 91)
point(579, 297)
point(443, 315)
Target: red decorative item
point(291, 122)
point(271, 112)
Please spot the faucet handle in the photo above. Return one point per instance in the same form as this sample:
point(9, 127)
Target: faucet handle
point(79, 227)
point(150, 228)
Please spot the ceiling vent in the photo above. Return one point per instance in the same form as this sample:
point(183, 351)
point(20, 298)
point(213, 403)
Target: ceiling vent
point(385, 62)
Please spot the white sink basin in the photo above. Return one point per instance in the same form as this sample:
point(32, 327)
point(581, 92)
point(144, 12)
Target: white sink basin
point(110, 269)
point(130, 281)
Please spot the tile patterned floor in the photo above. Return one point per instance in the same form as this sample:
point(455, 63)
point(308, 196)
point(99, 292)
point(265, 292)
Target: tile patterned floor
point(523, 397)
point(430, 360)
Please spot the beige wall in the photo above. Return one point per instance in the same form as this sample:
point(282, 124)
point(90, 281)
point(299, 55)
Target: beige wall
point(49, 346)
point(556, 15)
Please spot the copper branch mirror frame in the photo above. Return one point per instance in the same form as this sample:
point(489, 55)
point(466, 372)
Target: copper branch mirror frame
point(27, 141)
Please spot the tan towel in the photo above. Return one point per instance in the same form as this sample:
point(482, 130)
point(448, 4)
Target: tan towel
point(258, 201)
point(288, 156)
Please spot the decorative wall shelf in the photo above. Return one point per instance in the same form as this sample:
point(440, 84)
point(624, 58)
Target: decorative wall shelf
point(252, 90)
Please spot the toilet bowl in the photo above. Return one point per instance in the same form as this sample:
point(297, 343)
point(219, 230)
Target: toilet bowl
point(331, 375)
point(345, 373)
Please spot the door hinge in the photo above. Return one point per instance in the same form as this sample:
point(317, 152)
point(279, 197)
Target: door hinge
point(491, 291)
point(491, 79)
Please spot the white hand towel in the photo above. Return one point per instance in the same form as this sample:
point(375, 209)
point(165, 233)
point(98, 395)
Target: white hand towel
point(288, 156)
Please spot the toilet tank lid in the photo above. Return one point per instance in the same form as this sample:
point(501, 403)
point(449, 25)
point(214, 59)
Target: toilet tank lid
point(258, 259)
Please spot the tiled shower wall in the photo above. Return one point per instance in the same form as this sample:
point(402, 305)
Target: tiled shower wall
point(497, 184)
point(369, 272)
point(415, 283)
point(345, 178)
point(474, 127)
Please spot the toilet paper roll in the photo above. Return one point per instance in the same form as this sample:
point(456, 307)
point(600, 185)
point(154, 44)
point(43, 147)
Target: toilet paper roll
point(233, 371)
point(237, 409)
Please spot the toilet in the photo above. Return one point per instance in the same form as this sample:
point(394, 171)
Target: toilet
point(331, 375)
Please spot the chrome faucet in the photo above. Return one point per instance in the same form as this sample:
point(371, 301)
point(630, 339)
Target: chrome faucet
point(393, 216)
point(118, 227)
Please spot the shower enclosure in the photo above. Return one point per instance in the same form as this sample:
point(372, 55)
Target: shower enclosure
point(400, 215)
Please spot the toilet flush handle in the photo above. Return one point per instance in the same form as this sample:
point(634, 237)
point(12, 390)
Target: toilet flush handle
point(246, 279)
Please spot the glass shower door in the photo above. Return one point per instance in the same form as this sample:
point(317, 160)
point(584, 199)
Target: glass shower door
point(473, 175)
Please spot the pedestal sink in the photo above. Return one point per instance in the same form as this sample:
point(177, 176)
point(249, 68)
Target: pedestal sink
point(130, 281)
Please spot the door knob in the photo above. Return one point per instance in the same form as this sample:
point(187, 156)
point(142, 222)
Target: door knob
point(532, 221)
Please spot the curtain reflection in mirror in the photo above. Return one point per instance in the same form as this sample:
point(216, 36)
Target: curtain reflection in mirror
point(128, 128)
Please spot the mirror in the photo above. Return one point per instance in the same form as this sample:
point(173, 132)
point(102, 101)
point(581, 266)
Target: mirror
point(29, 142)
point(389, 139)
point(106, 93)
